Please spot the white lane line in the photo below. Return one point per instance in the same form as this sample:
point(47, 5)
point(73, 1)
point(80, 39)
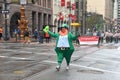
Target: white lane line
point(18, 51)
point(100, 59)
point(15, 57)
point(103, 54)
point(91, 68)
point(39, 53)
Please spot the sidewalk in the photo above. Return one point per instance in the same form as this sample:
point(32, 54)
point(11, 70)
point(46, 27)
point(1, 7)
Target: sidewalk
point(32, 43)
point(11, 40)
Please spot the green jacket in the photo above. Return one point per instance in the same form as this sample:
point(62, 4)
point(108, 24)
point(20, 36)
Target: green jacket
point(71, 37)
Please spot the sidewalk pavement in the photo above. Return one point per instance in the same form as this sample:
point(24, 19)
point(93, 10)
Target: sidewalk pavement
point(32, 43)
point(11, 40)
point(52, 43)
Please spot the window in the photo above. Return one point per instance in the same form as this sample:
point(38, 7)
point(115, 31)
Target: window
point(33, 1)
point(15, 1)
point(40, 2)
point(44, 3)
point(49, 3)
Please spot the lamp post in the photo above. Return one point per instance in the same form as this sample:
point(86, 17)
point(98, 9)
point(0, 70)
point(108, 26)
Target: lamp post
point(69, 16)
point(6, 12)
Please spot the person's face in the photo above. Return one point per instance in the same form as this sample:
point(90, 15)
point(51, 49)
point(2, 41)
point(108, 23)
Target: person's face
point(63, 29)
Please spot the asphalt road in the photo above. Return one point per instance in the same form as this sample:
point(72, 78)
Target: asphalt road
point(37, 62)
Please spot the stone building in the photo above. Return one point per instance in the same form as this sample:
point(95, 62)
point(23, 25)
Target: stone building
point(61, 13)
point(37, 12)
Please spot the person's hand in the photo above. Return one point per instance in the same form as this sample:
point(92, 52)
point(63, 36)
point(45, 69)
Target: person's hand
point(46, 29)
point(77, 34)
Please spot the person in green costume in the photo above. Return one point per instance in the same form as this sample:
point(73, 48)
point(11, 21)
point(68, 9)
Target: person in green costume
point(64, 47)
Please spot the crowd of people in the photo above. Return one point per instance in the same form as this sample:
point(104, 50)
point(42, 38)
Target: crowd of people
point(28, 36)
point(37, 36)
point(107, 37)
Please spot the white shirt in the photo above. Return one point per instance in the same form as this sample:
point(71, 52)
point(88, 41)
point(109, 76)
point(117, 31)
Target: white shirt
point(63, 41)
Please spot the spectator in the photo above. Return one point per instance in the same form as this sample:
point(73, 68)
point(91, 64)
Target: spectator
point(47, 37)
point(19, 33)
point(1, 31)
point(99, 35)
point(35, 34)
point(27, 36)
point(41, 36)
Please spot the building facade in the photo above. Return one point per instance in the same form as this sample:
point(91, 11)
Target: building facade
point(115, 12)
point(96, 7)
point(81, 9)
point(37, 12)
point(109, 15)
point(105, 8)
point(62, 9)
point(118, 12)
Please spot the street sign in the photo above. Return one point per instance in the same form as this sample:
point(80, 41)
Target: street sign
point(4, 11)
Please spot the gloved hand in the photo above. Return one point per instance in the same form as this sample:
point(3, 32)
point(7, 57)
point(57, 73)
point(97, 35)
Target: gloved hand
point(77, 34)
point(46, 29)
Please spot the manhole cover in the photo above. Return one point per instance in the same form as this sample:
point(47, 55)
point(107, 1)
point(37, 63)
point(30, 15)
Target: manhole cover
point(90, 71)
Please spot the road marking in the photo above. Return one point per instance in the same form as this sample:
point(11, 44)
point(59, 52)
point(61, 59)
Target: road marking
point(19, 72)
point(43, 53)
point(102, 59)
point(108, 55)
point(81, 66)
point(15, 57)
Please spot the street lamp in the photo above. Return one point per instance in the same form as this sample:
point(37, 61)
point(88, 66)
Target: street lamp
point(69, 15)
point(23, 23)
point(5, 11)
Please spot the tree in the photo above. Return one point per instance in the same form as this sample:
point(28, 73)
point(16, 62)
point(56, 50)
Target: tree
point(93, 21)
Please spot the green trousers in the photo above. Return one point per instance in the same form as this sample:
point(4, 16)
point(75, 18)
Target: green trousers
point(61, 54)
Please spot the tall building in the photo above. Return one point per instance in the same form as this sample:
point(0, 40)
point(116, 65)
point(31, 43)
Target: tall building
point(96, 6)
point(118, 13)
point(103, 7)
point(37, 12)
point(109, 9)
point(115, 9)
point(115, 12)
point(81, 7)
point(109, 15)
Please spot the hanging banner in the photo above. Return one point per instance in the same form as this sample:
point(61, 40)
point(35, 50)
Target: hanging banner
point(61, 17)
point(62, 3)
point(88, 40)
point(68, 4)
point(73, 6)
point(73, 18)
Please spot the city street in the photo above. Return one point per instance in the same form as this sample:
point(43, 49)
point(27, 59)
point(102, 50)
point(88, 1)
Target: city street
point(31, 29)
point(38, 61)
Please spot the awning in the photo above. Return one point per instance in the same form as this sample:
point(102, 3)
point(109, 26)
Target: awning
point(75, 24)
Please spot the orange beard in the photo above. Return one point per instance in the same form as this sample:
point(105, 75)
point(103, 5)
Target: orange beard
point(63, 32)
